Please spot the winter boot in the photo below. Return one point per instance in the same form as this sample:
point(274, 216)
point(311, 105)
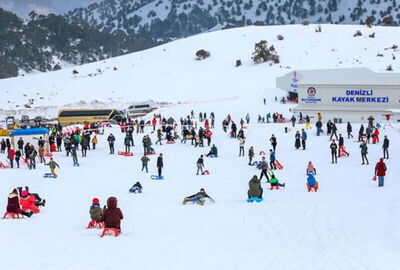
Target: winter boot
point(184, 201)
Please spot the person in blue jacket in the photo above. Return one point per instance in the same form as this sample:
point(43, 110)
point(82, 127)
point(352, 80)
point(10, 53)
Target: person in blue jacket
point(311, 182)
point(272, 159)
point(303, 138)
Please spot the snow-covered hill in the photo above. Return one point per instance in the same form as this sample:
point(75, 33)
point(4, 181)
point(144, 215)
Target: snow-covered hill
point(165, 19)
point(171, 73)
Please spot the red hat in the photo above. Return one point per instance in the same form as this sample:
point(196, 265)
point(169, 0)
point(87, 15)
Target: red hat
point(95, 201)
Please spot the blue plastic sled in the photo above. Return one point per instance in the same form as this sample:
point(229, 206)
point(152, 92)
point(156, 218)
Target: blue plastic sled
point(255, 163)
point(134, 190)
point(76, 164)
point(156, 177)
point(213, 156)
point(48, 175)
point(255, 199)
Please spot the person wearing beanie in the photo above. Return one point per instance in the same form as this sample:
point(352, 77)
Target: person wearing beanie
point(112, 215)
point(95, 210)
point(28, 201)
point(13, 204)
point(38, 200)
point(53, 166)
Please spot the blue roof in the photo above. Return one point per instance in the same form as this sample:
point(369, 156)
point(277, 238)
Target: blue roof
point(29, 131)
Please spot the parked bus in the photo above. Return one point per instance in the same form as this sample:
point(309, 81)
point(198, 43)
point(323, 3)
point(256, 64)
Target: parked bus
point(81, 116)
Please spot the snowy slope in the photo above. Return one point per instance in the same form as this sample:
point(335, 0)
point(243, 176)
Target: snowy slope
point(171, 73)
point(349, 224)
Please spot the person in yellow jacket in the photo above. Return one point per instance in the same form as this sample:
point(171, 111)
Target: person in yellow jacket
point(94, 142)
point(319, 116)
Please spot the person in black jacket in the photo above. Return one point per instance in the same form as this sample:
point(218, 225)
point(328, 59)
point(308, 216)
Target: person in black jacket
point(341, 146)
point(21, 145)
point(319, 127)
point(111, 140)
point(213, 151)
point(297, 140)
point(360, 133)
point(234, 129)
point(349, 130)
point(160, 164)
point(333, 131)
point(385, 148)
point(273, 142)
point(200, 165)
point(334, 149)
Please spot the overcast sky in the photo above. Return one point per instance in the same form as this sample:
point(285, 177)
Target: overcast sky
point(23, 7)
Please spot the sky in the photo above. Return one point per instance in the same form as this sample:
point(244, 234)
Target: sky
point(23, 7)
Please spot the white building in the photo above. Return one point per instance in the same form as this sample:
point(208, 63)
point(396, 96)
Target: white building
point(349, 94)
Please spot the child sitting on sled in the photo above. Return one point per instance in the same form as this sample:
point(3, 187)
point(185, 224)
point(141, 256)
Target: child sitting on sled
point(136, 188)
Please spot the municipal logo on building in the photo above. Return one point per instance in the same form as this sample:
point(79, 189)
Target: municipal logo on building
point(311, 91)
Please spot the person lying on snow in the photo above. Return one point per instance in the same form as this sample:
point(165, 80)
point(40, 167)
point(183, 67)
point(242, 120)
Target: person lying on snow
point(112, 215)
point(13, 204)
point(95, 210)
point(136, 187)
point(273, 180)
point(198, 197)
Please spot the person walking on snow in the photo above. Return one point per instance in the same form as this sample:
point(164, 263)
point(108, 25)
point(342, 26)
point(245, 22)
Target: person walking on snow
point(127, 143)
point(160, 164)
point(272, 159)
point(334, 149)
point(380, 172)
point(364, 152)
point(242, 141)
point(333, 131)
point(145, 161)
point(200, 165)
point(349, 130)
point(385, 147)
point(94, 142)
point(111, 140)
point(273, 142)
point(263, 166)
point(53, 166)
point(251, 154)
point(303, 138)
point(159, 136)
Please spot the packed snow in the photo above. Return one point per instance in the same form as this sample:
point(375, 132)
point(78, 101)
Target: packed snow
point(349, 223)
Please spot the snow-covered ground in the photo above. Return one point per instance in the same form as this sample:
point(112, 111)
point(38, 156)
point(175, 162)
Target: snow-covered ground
point(349, 223)
point(171, 73)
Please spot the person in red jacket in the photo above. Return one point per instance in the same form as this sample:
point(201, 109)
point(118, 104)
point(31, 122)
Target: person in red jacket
point(206, 124)
point(112, 215)
point(380, 171)
point(28, 201)
point(13, 204)
point(154, 123)
point(11, 155)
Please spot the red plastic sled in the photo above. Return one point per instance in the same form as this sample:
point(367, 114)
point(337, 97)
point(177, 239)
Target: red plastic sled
point(95, 224)
point(110, 231)
point(262, 153)
point(13, 215)
point(278, 165)
point(126, 154)
point(206, 172)
point(314, 187)
point(272, 187)
point(2, 166)
point(374, 178)
point(244, 127)
point(150, 152)
point(342, 151)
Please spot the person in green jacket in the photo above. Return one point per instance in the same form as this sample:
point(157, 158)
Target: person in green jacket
point(95, 210)
point(255, 189)
point(273, 180)
point(364, 152)
point(145, 160)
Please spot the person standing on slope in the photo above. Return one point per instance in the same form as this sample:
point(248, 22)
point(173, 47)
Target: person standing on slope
point(385, 148)
point(251, 154)
point(273, 142)
point(303, 138)
point(160, 164)
point(297, 140)
point(242, 141)
point(334, 149)
point(349, 130)
point(111, 140)
point(364, 152)
point(200, 165)
point(380, 171)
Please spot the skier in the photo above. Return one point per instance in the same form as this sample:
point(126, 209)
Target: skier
point(380, 171)
point(242, 141)
point(310, 168)
point(111, 140)
point(200, 165)
point(273, 142)
point(199, 197)
point(364, 152)
point(145, 161)
point(349, 130)
point(385, 147)
point(13, 204)
point(303, 139)
point(334, 149)
point(251, 154)
point(95, 210)
point(112, 215)
point(255, 189)
point(160, 164)
point(53, 166)
point(297, 140)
